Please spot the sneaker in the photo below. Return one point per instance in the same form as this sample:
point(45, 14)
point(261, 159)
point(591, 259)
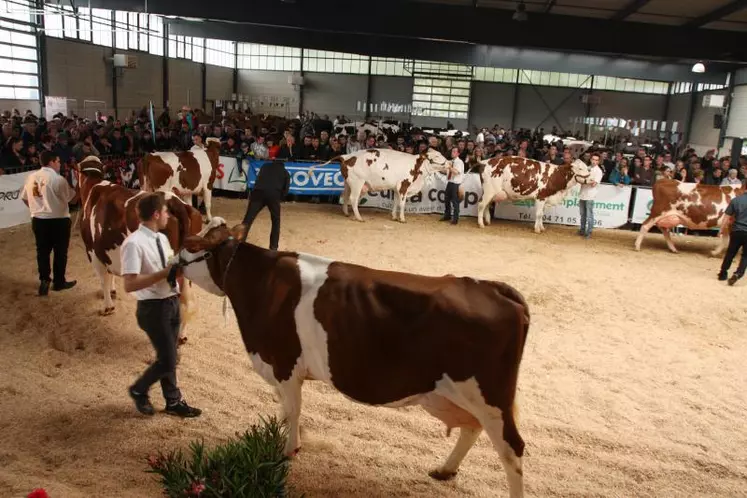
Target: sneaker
point(44, 288)
point(722, 276)
point(142, 403)
point(182, 409)
point(733, 279)
point(65, 285)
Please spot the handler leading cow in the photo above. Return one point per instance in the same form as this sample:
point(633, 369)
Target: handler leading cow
point(451, 344)
point(514, 178)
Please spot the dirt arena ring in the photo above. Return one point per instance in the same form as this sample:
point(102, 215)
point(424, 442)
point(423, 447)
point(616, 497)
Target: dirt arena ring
point(633, 382)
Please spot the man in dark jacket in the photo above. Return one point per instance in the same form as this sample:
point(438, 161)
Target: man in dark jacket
point(272, 184)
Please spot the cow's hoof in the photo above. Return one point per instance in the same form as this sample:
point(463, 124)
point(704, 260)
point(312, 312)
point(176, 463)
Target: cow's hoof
point(113, 294)
point(107, 311)
point(441, 475)
point(181, 341)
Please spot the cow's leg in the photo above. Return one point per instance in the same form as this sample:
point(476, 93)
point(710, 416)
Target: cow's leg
point(499, 424)
point(467, 438)
point(488, 218)
point(395, 204)
point(107, 280)
point(401, 203)
point(355, 195)
point(668, 238)
point(290, 394)
point(501, 428)
point(345, 199)
point(539, 211)
point(207, 198)
point(645, 227)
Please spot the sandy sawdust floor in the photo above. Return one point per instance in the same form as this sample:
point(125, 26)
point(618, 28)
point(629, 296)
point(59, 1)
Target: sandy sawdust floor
point(632, 385)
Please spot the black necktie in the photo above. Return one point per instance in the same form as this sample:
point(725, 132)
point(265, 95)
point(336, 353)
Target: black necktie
point(160, 251)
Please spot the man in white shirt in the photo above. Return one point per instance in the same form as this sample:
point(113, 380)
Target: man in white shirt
point(455, 177)
point(587, 196)
point(146, 274)
point(47, 194)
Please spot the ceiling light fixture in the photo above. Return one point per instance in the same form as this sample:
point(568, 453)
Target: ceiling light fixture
point(698, 67)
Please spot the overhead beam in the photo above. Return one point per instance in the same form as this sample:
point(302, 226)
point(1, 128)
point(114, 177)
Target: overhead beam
point(477, 27)
point(462, 53)
point(717, 15)
point(629, 9)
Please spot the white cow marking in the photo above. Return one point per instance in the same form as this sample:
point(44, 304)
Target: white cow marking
point(311, 334)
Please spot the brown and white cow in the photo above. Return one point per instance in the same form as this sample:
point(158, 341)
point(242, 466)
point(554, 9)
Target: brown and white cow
point(451, 344)
point(514, 178)
point(109, 215)
point(183, 173)
point(694, 205)
point(375, 170)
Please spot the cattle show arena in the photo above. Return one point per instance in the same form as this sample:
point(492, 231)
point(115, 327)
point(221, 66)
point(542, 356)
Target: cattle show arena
point(632, 382)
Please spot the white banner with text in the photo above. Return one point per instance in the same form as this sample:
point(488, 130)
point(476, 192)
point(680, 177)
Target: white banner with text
point(610, 207)
point(12, 209)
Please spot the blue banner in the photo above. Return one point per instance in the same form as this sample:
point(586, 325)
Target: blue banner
point(324, 180)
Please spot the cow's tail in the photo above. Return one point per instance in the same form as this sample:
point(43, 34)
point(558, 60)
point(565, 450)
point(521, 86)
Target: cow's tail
point(337, 159)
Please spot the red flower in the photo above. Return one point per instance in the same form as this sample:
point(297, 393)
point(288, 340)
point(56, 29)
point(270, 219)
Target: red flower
point(196, 489)
point(38, 493)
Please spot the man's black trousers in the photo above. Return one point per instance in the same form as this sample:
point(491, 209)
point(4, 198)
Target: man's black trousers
point(51, 234)
point(737, 241)
point(258, 200)
point(160, 319)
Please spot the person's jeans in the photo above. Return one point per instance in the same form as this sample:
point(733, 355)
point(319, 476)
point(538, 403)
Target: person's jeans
point(587, 217)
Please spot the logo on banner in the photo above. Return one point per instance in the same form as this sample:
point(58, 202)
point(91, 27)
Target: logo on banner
point(10, 195)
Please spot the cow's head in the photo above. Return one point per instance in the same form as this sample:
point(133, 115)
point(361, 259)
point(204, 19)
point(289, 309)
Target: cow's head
point(212, 149)
point(90, 172)
point(437, 160)
point(581, 173)
point(199, 254)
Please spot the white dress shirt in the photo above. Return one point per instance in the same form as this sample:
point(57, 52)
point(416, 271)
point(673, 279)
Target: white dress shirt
point(48, 194)
point(589, 193)
point(140, 256)
point(457, 178)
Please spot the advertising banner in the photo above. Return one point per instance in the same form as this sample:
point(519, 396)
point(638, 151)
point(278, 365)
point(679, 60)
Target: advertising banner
point(230, 176)
point(610, 208)
point(12, 209)
point(643, 200)
point(431, 197)
point(324, 180)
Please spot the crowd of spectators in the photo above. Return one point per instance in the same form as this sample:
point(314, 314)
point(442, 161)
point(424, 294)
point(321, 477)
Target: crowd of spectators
point(73, 138)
